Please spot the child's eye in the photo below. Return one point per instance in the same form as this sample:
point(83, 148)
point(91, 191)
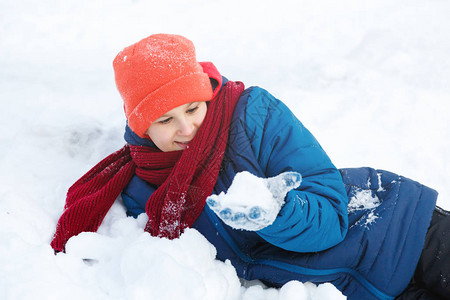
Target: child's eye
point(192, 110)
point(165, 121)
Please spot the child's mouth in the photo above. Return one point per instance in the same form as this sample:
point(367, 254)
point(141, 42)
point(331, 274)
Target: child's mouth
point(182, 145)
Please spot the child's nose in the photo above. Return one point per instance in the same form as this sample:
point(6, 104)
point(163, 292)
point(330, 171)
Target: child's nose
point(186, 128)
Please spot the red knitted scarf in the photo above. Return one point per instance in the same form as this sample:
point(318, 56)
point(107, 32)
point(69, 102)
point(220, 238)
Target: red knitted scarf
point(185, 178)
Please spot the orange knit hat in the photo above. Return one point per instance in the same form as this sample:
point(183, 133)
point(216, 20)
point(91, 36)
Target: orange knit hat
point(157, 74)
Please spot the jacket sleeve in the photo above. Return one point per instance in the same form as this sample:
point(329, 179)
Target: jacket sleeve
point(314, 216)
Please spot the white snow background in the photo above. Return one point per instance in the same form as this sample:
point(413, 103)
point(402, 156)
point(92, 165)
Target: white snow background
point(370, 79)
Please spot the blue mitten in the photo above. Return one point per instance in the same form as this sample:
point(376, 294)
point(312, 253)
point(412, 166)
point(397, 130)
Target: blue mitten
point(252, 203)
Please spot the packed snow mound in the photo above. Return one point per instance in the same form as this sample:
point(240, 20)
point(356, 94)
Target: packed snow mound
point(252, 203)
point(121, 261)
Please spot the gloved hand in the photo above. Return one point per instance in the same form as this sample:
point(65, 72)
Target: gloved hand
point(252, 203)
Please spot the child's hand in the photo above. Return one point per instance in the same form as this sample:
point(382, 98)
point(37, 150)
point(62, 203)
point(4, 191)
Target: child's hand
point(253, 203)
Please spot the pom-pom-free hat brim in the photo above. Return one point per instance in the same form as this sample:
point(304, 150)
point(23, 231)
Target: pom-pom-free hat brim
point(186, 89)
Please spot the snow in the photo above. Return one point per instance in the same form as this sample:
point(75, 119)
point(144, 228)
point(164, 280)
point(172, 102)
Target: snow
point(363, 199)
point(252, 203)
point(370, 79)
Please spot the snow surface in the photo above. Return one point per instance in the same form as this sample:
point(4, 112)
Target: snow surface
point(370, 79)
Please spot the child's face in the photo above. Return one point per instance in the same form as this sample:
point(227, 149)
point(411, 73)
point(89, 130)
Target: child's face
point(174, 130)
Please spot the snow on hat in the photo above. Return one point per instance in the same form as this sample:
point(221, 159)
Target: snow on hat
point(157, 74)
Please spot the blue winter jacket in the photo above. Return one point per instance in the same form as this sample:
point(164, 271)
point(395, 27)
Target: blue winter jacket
point(368, 249)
